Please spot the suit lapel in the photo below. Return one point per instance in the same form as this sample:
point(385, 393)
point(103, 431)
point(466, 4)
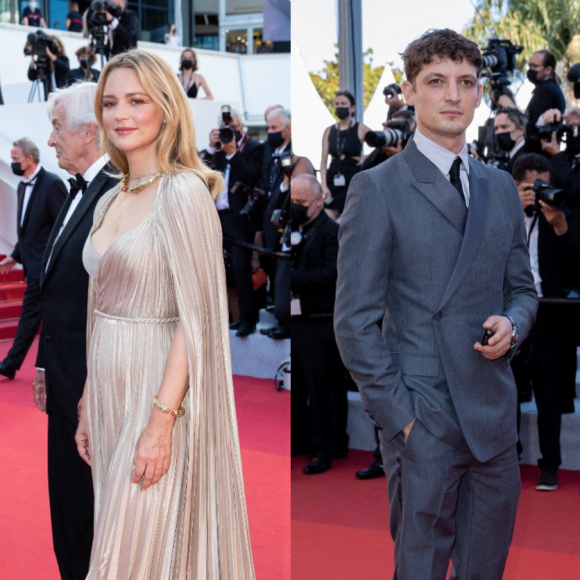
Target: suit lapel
point(85, 203)
point(35, 189)
point(21, 189)
point(474, 228)
point(436, 188)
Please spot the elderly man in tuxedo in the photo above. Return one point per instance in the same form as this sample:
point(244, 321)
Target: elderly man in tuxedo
point(432, 255)
point(61, 361)
point(40, 197)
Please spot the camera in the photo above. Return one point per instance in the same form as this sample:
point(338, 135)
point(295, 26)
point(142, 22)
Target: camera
point(500, 57)
point(37, 43)
point(98, 7)
point(547, 193)
point(398, 130)
point(392, 90)
point(226, 133)
point(256, 197)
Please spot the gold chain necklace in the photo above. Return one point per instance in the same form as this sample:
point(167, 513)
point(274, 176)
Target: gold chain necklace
point(137, 188)
point(140, 176)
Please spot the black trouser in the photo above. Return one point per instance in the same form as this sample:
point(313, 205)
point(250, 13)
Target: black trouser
point(547, 361)
point(28, 324)
point(282, 292)
point(241, 264)
point(70, 489)
point(316, 365)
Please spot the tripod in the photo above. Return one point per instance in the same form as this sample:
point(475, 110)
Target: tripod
point(35, 88)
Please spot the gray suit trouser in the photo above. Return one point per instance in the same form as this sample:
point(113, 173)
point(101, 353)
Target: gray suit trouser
point(445, 505)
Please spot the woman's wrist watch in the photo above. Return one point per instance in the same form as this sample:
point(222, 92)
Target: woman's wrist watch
point(515, 332)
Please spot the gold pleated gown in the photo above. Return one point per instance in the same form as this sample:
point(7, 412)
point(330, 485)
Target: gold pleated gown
point(192, 525)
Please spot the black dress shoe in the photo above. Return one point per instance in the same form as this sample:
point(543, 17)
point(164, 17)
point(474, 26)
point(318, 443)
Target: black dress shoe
point(316, 466)
point(7, 371)
point(246, 328)
point(371, 472)
point(277, 332)
point(236, 324)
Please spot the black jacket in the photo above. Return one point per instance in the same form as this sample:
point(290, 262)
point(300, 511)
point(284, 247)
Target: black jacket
point(64, 291)
point(245, 167)
point(547, 95)
point(78, 74)
point(61, 70)
point(565, 174)
point(46, 199)
point(125, 35)
point(314, 274)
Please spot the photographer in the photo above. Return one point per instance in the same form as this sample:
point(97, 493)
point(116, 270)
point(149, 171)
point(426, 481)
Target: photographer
point(565, 165)
point(546, 95)
point(403, 121)
point(546, 361)
point(510, 129)
point(52, 67)
point(122, 22)
point(239, 158)
point(392, 94)
point(316, 364)
point(85, 72)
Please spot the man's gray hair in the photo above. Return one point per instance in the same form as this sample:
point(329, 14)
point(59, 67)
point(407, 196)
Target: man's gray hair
point(312, 182)
point(28, 147)
point(284, 114)
point(236, 114)
point(78, 101)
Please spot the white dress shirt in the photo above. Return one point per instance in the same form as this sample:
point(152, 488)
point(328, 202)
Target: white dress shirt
point(443, 159)
point(28, 192)
point(533, 247)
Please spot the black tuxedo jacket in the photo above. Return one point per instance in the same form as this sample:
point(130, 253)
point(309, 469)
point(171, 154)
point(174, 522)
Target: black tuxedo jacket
point(245, 166)
point(64, 291)
point(314, 274)
point(46, 199)
point(125, 35)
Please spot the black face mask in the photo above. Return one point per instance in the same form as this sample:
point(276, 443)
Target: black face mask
point(504, 141)
point(186, 64)
point(84, 63)
point(239, 136)
point(342, 112)
point(299, 214)
point(17, 169)
point(275, 139)
point(532, 76)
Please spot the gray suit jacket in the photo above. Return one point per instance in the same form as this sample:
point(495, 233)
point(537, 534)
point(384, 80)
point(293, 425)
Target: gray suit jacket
point(418, 274)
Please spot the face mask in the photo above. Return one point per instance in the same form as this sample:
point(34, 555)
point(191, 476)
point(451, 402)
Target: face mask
point(32, 5)
point(299, 214)
point(186, 64)
point(532, 76)
point(275, 139)
point(239, 136)
point(17, 169)
point(504, 141)
point(342, 112)
point(84, 63)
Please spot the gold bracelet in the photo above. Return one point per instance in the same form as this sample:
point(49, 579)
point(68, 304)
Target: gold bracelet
point(165, 409)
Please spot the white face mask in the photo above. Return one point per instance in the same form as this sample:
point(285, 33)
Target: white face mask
point(32, 5)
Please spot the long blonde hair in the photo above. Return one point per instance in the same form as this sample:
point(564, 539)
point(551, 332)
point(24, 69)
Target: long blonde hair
point(176, 150)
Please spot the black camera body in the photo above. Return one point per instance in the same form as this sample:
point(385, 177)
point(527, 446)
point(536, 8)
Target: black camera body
point(500, 57)
point(256, 198)
point(397, 130)
point(550, 195)
point(226, 132)
point(98, 7)
point(37, 43)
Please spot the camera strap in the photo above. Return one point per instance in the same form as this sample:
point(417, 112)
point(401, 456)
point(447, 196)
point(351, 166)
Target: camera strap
point(533, 225)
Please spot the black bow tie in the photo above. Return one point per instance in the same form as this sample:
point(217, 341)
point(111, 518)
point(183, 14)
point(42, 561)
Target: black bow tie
point(77, 183)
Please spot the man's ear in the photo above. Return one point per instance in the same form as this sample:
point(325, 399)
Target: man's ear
point(90, 133)
point(409, 92)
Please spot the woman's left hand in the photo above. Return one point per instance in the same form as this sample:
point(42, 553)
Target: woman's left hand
point(153, 450)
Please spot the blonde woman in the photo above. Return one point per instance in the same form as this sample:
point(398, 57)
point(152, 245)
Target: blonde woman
point(157, 418)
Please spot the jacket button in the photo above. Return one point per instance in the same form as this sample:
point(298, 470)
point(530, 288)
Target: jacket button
point(47, 338)
point(438, 316)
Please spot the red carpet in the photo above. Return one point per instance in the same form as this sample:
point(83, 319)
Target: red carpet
point(340, 526)
point(25, 541)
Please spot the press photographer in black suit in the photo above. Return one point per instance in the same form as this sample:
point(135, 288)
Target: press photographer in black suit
point(124, 27)
point(510, 132)
point(40, 197)
point(547, 358)
point(316, 364)
point(240, 160)
point(61, 360)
